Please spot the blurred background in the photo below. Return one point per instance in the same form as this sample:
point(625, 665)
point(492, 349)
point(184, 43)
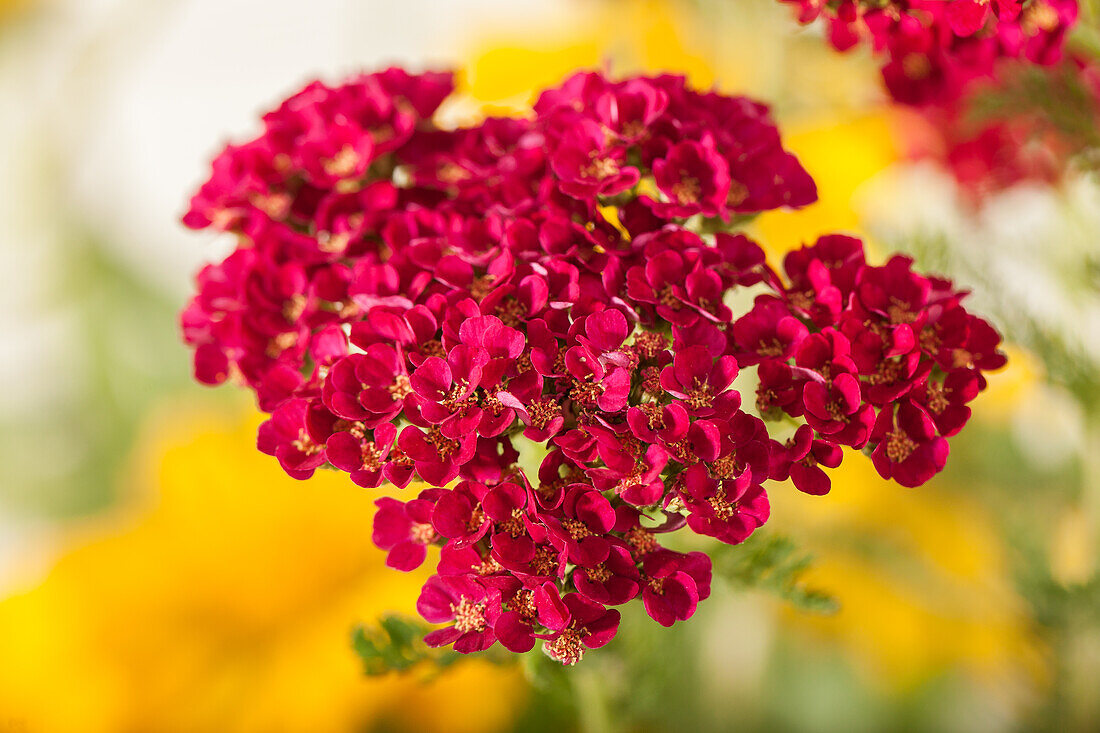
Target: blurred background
point(158, 574)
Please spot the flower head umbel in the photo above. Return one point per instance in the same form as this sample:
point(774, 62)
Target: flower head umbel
point(934, 49)
point(410, 303)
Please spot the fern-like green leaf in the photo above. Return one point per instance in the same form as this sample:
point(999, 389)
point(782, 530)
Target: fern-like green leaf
point(772, 563)
point(395, 644)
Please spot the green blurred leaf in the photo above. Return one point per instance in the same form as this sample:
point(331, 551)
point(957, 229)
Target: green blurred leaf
point(124, 353)
point(772, 563)
point(395, 644)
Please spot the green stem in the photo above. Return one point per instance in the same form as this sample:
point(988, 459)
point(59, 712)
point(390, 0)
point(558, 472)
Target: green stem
point(591, 700)
point(1090, 476)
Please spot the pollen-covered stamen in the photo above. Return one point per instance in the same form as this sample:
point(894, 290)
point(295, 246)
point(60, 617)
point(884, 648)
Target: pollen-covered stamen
point(899, 311)
point(488, 566)
point(294, 308)
point(631, 479)
point(559, 363)
point(384, 132)
point(765, 400)
point(491, 403)
point(631, 359)
point(423, 533)
point(275, 205)
point(633, 129)
point(443, 446)
point(599, 573)
point(682, 451)
point(482, 286)
point(878, 328)
point(523, 603)
point(657, 585)
point(600, 168)
point(651, 381)
point(372, 456)
point(655, 415)
point(477, 518)
point(899, 446)
point(223, 219)
point(641, 541)
point(549, 489)
point(576, 529)
point(836, 411)
point(457, 399)
point(511, 312)
point(937, 397)
point(545, 561)
point(1039, 17)
point(738, 193)
point(433, 347)
point(725, 467)
point(687, 191)
point(357, 429)
point(647, 344)
point(400, 458)
point(769, 348)
point(281, 342)
point(801, 300)
point(347, 310)
point(888, 372)
point(305, 444)
point(523, 363)
point(916, 65)
point(469, 616)
point(699, 396)
point(343, 164)
point(513, 525)
point(586, 393)
point(544, 412)
point(451, 173)
point(667, 297)
point(282, 162)
point(332, 243)
point(567, 647)
point(930, 339)
point(401, 387)
point(632, 446)
point(962, 359)
point(723, 508)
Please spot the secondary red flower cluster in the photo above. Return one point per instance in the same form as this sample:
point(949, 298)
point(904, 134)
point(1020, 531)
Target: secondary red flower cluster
point(415, 303)
point(1025, 125)
point(933, 49)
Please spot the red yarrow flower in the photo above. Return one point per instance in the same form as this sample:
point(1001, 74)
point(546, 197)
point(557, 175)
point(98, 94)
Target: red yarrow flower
point(455, 306)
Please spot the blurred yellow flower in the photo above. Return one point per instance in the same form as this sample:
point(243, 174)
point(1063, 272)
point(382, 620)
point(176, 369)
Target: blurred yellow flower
point(1072, 551)
point(10, 7)
point(922, 578)
point(224, 602)
point(505, 75)
point(1009, 387)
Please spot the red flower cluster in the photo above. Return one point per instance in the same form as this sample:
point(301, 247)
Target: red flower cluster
point(1018, 127)
point(409, 301)
point(934, 48)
